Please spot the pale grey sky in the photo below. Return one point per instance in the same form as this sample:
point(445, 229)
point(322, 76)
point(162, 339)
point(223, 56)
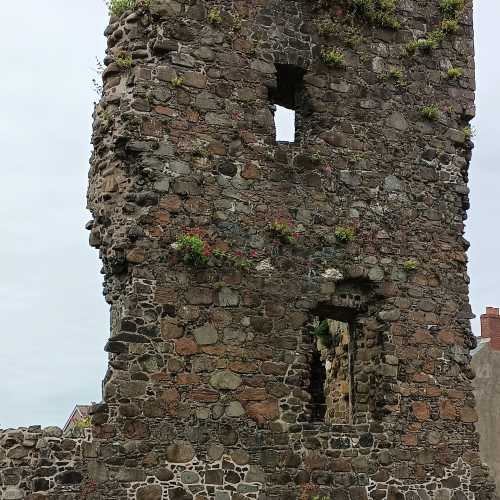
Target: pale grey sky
point(53, 318)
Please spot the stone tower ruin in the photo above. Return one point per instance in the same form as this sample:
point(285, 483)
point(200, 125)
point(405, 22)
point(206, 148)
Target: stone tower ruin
point(288, 320)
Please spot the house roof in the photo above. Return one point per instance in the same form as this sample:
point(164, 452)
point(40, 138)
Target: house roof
point(80, 411)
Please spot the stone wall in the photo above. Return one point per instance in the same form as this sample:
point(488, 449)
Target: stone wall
point(221, 249)
point(42, 460)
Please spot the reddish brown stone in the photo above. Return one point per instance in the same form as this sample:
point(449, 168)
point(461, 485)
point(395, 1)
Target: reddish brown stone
point(409, 439)
point(421, 410)
point(447, 337)
point(213, 350)
point(204, 395)
point(252, 394)
point(250, 171)
point(240, 367)
point(136, 256)
point(456, 394)
point(152, 128)
point(447, 409)
point(188, 379)
point(165, 295)
point(262, 411)
point(164, 110)
point(172, 203)
point(216, 148)
point(420, 377)
point(170, 395)
point(163, 218)
point(186, 347)
point(433, 391)
point(135, 429)
point(424, 337)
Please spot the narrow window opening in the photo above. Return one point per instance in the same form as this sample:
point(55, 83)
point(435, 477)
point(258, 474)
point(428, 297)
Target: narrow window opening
point(331, 368)
point(317, 387)
point(286, 94)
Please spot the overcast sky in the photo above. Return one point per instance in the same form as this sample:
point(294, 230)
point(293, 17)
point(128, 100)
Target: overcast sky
point(53, 318)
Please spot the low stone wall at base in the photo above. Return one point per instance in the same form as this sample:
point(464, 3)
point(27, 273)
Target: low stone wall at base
point(38, 463)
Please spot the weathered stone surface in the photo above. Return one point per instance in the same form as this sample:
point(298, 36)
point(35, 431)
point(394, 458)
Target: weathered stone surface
point(397, 120)
point(205, 335)
point(224, 251)
point(153, 492)
point(225, 380)
point(228, 297)
point(13, 494)
point(235, 409)
point(180, 452)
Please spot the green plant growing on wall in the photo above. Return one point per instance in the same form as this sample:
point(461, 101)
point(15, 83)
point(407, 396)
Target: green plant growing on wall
point(322, 332)
point(435, 38)
point(214, 16)
point(411, 47)
point(326, 26)
point(427, 44)
point(123, 60)
point(333, 57)
point(386, 20)
point(193, 249)
point(410, 265)
point(236, 259)
point(469, 132)
point(396, 75)
point(449, 26)
point(284, 231)
point(424, 44)
point(344, 234)
point(105, 118)
point(177, 81)
point(451, 9)
point(237, 23)
point(352, 37)
point(119, 7)
point(454, 73)
point(377, 12)
point(430, 113)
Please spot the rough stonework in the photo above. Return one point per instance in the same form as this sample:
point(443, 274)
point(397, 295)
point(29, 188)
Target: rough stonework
point(288, 321)
point(486, 364)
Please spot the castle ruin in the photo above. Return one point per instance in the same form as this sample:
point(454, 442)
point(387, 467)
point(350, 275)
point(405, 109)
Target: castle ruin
point(288, 320)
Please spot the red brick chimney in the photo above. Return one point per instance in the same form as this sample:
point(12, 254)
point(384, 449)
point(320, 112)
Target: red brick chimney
point(490, 326)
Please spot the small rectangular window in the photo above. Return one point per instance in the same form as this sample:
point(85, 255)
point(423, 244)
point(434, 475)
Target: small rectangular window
point(286, 95)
